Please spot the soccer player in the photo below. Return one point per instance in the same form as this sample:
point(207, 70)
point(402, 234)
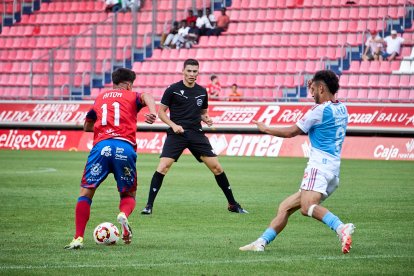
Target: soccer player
point(325, 124)
point(188, 103)
point(113, 120)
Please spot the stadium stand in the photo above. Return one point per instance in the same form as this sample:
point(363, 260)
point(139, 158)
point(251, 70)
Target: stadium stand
point(270, 49)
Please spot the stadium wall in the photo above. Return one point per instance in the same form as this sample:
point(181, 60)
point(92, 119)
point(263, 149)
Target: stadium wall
point(57, 126)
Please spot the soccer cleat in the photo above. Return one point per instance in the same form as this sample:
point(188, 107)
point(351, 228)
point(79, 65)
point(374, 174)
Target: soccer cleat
point(236, 208)
point(126, 229)
point(147, 210)
point(346, 237)
point(75, 244)
point(257, 246)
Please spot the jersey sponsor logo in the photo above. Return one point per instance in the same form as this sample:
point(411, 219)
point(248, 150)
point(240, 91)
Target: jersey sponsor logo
point(106, 151)
point(96, 169)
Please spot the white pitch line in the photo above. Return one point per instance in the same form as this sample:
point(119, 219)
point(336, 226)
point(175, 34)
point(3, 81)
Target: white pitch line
point(40, 170)
point(275, 260)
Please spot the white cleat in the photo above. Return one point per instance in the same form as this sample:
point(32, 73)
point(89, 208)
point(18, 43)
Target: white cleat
point(257, 246)
point(346, 237)
point(126, 229)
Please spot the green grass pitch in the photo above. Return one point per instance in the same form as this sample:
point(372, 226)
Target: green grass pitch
point(191, 232)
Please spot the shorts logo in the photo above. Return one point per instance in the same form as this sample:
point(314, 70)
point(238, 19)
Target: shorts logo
point(127, 171)
point(199, 102)
point(305, 175)
point(96, 169)
point(106, 151)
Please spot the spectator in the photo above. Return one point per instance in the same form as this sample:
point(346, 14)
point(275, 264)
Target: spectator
point(167, 39)
point(180, 38)
point(235, 95)
point(191, 17)
point(393, 48)
point(214, 88)
point(113, 5)
point(200, 22)
point(373, 47)
point(121, 5)
point(211, 28)
point(223, 22)
point(206, 23)
point(192, 36)
point(129, 4)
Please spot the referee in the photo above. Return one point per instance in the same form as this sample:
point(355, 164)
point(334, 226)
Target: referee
point(188, 103)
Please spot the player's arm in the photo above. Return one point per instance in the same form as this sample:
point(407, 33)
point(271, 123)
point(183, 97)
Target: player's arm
point(205, 118)
point(148, 100)
point(90, 121)
point(284, 132)
point(162, 114)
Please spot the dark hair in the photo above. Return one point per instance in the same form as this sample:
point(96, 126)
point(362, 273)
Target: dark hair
point(234, 84)
point(329, 78)
point(191, 61)
point(213, 77)
point(123, 75)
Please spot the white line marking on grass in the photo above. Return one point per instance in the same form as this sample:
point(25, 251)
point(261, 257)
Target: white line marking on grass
point(39, 170)
point(275, 260)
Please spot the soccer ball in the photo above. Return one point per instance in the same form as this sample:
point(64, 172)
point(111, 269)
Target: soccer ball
point(106, 233)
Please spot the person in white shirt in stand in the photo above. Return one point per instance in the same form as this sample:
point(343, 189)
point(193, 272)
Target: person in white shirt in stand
point(373, 47)
point(180, 38)
point(206, 23)
point(393, 48)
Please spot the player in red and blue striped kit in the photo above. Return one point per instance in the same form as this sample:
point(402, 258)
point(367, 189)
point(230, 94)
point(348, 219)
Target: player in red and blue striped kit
point(113, 120)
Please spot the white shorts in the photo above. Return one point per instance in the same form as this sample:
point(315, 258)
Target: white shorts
point(319, 181)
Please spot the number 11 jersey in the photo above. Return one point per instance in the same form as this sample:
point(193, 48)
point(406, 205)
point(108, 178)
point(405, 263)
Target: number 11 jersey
point(115, 115)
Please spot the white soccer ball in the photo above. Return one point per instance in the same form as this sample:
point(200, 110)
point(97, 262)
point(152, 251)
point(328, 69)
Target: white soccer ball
point(106, 233)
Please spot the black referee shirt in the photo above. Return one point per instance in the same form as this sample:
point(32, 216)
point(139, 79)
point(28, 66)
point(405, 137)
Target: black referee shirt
point(185, 104)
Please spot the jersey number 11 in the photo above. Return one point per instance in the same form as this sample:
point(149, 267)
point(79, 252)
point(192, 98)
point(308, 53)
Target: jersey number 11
point(105, 114)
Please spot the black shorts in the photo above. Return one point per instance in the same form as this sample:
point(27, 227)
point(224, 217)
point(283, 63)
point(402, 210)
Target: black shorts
point(196, 141)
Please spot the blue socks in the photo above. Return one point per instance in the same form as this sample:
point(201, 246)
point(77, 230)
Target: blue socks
point(331, 220)
point(269, 235)
point(85, 198)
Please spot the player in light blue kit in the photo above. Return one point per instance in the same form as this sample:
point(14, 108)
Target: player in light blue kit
point(325, 124)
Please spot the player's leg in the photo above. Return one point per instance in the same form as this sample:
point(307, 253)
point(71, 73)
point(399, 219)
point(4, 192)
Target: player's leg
point(200, 147)
point(315, 188)
point(156, 182)
point(288, 206)
point(222, 181)
point(126, 207)
point(125, 174)
point(95, 172)
point(82, 214)
point(174, 146)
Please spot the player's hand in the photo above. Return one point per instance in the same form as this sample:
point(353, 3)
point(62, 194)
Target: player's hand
point(207, 119)
point(150, 118)
point(260, 125)
point(178, 129)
